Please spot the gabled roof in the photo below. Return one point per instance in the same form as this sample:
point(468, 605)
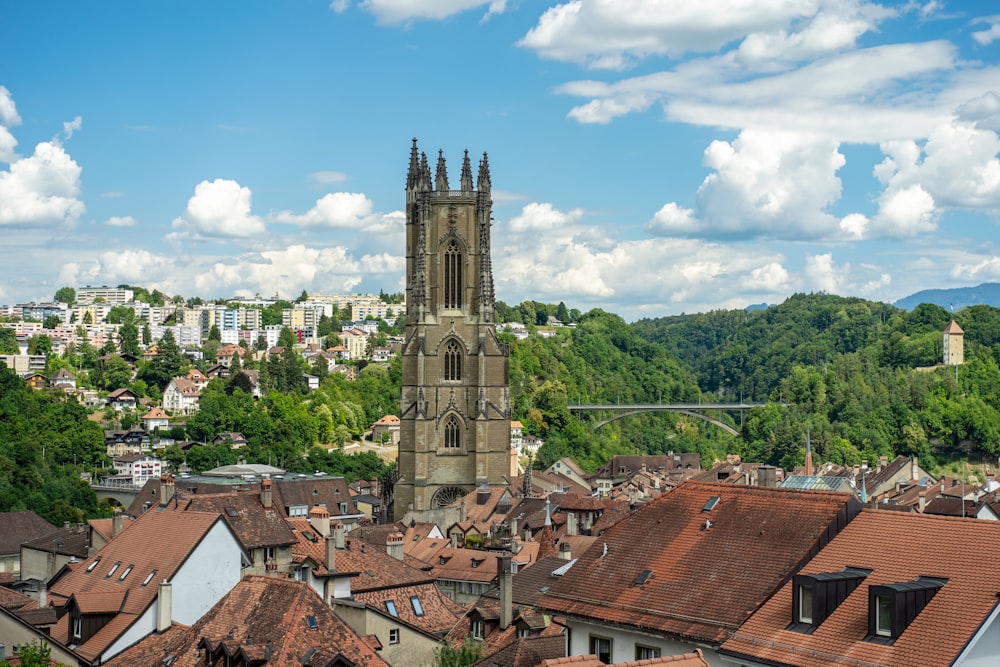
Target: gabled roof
point(263, 621)
point(437, 612)
point(526, 652)
point(174, 533)
point(896, 547)
point(695, 562)
point(253, 524)
point(309, 491)
point(155, 413)
point(20, 527)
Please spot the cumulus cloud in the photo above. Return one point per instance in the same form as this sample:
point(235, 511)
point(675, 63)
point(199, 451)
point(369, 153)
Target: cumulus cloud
point(393, 12)
point(218, 209)
point(672, 219)
point(41, 189)
point(772, 278)
point(823, 275)
point(121, 221)
point(992, 33)
point(986, 269)
point(543, 217)
point(337, 210)
point(8, 110)
point(982, 111)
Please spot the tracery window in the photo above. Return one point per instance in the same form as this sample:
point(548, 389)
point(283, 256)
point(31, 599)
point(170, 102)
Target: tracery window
point(453, 361)
point(452, 433)
point(453, 276)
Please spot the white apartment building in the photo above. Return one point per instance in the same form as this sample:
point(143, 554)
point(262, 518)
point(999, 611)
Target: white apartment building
point(110, 295)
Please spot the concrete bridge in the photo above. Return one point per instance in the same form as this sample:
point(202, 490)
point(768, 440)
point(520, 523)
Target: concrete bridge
point(121, 495)
point(690, 409)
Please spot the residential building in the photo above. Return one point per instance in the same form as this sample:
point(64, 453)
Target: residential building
point(864, 599)
point(687, 569)
point(386, 430)
point(181, 396)
point(138, 468)
point(123, 399)
point(18, 528)
point(156, 418)
point(112, 296)
point(455, 403)
point(121, 442)
point(127, 590)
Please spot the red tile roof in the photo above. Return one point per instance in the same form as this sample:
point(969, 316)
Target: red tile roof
point(263, 621)
point(896, 547)
point(700, 573)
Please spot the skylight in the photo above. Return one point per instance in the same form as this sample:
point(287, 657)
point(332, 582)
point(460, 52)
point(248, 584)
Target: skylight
point(114, 568)
point(94, 564)
point(391, 608)
point(643, 577)
point(125, 573)
point(417, 607)
point(149, 577)
point(710, 505)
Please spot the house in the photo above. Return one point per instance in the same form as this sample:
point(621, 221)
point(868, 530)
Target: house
point(386, 430)
point(516, 433)
point(122, 399)
point(374, 590)
point(138, 468)
point(35, 380)
point(19, 527)
point(224, 356)
point(44, 556)
point(120, 442)
point(864, 599)
point(295, 495)
point(262, 622)
point(155, 419)
point(235, 439)
point(64, 380)
point(127, 590)
point(685, 570)
point(567, 467)
point(181, 396)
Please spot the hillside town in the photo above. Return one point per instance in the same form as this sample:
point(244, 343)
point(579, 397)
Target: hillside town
point(466, 552)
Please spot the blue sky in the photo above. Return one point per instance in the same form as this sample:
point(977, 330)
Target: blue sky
point(648, 157)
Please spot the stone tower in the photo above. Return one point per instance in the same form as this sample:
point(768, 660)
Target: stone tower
point(953, 345)
point(455, 405)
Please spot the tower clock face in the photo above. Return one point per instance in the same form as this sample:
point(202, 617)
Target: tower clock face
point(446, 496)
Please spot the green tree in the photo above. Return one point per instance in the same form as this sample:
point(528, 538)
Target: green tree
point(51, 321)
point(65, 295)
point(128, 339)
point(34, 654)
point(168, 362)
point(115, 373)
point(40, 344)
point(8, 341)
point(214, 333)
point(461, 656)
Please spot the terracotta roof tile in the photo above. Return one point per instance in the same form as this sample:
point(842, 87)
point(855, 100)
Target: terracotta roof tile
point(270, 621)
point(20, 527)
point(897, 548)
point(675, 568)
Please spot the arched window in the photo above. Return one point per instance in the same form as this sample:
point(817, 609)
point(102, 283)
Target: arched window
point(453, 276)
point(453, 361)
point(452, 433)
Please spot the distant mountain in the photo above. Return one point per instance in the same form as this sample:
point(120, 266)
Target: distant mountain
point(954, 299)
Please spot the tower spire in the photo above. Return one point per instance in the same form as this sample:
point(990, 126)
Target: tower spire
point(483, 183)
point(412, 173)
point(466, 173)
point(441, 176)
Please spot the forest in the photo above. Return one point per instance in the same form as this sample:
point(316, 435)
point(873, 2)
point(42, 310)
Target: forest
point(859, 379)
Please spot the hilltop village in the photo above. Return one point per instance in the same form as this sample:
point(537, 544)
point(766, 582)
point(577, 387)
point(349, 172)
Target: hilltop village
point(406, 479)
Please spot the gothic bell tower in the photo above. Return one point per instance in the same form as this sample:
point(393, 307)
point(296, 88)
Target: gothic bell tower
point(455, 404)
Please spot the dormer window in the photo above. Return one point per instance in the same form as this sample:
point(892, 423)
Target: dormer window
point(816, 596)
point(892, 607)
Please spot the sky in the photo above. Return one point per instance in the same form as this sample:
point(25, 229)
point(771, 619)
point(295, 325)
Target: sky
point(648, 157)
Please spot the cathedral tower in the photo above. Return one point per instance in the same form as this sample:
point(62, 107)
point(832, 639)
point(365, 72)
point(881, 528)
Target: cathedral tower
point(455, 405)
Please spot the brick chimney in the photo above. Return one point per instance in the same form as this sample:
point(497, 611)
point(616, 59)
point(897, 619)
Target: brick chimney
point(166, 488)
point(394, 545)
point(506, 581)
point(319, 518)
point(565, 551)
point(164, 606)
point(921, 500)
point(116, 523)
point(265, 493)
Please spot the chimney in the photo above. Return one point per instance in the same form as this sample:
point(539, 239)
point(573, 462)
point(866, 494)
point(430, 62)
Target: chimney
point(571, 523)
point(166, 488)
point(373, 487)
point(319, 518)
point(565, 551)
point(864, 464)
point(265, 493)
point(338, 536)
point(43, 594)
point(883, 461)
point(506, 580)
point(394, 545)
point(116, 523)
point(914, 469)
point(454, 540)
point(331, 553)
point(921, 501)
point(164, 606)
point(462, 512)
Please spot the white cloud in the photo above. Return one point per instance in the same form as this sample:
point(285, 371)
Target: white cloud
point(983, 111)
point(7, 145)
point(543, 217)
point(219, 208)
point(401, 11)
point(121, 221)
point(340, 6)
point(8, 110)
point(771, 278)
point(72, 126)
point(129, 266)
point(672, 219)
point(988, 36)
point(823, 275)
point(41, 189)
point(987, 269)
point(337, 210)
point(328, 177)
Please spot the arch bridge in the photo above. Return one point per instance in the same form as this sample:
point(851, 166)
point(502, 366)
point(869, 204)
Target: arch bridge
point(690, 409)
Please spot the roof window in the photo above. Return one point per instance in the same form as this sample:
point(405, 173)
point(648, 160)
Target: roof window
point(125, 573)
point(710, 505)
point(815, 596)
point(114, 568)
point(892, 607)
point(149, 577)
point(390, 606)
point(90, 568)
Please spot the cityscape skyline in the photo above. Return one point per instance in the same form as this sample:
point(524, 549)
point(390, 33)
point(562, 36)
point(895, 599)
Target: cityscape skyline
point(649, 157)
